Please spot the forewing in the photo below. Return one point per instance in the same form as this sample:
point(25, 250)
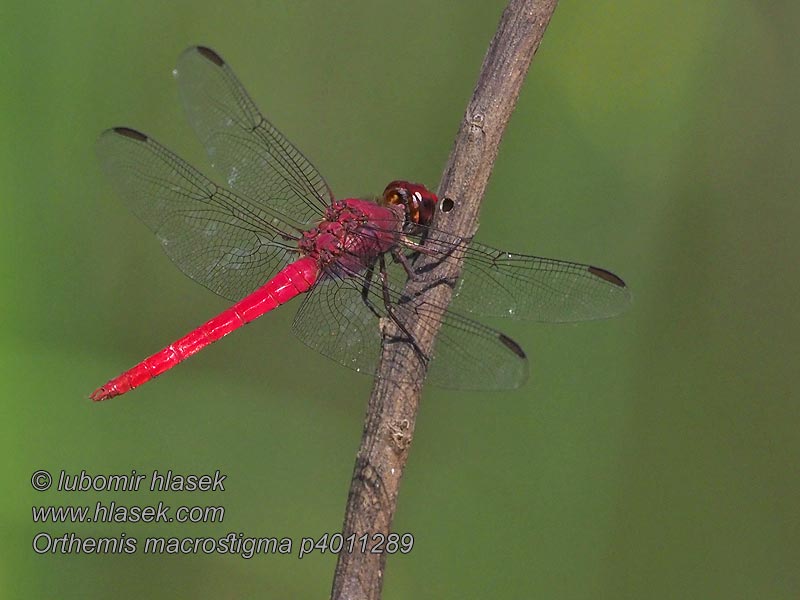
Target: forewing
point(251, 155)
point(497, 283)
point(504, 284)
point(217, 238)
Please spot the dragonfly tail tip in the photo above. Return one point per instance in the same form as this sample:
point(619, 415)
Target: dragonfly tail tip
point(101, 394)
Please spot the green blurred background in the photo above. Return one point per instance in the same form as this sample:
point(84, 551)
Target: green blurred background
point(652, 456)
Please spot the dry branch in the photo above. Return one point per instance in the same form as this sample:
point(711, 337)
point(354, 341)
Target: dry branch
point(392, 409)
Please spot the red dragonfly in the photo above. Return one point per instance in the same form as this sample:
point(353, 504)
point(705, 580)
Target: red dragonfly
point(276, 232)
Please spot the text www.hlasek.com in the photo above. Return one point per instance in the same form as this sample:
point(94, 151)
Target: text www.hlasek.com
point(118, 513)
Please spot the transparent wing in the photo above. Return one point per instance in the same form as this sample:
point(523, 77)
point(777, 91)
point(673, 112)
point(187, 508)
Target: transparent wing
point(504, 284)
point(340, 320)
point(251, 155)
point(217, 238)
point(334, 321)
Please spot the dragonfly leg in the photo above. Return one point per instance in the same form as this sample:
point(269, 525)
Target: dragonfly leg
point(370, 273)
point(401, 258)
point(387, 302)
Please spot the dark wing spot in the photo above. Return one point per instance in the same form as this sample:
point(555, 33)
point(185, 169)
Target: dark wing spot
point(607, 275)
point(512, 345)
point(131, 133)
point(211, 55)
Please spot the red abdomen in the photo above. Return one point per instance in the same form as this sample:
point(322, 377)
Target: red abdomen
point(294, 279)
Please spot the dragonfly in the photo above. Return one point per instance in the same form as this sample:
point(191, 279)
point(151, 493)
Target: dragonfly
point(274, 231)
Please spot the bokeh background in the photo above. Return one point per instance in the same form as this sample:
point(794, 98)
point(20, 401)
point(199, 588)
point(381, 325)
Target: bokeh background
point(651, 456)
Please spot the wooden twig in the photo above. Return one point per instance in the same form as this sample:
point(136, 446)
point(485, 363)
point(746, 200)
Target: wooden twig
point(392, 409)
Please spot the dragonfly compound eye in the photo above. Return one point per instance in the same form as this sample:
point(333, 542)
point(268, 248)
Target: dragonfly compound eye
point(417, 200)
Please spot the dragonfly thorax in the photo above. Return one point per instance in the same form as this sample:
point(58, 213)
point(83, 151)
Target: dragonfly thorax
point(352, 235)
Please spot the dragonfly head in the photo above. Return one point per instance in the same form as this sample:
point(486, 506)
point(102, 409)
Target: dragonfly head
point(417, 201)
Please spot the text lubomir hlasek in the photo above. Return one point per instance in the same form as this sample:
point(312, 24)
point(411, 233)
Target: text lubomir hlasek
point(157, 482)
